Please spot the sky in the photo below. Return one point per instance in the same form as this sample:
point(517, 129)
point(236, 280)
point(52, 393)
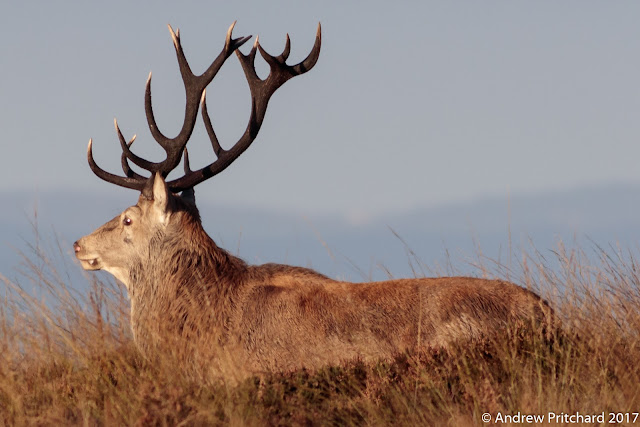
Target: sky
point(411, 104)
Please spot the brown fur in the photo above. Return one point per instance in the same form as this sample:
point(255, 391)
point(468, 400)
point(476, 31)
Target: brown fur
point(195, 301)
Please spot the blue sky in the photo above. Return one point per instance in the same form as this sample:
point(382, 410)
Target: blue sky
point(411, 104)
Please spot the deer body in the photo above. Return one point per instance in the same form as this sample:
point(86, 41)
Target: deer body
point(194, 301)
point(314, 321)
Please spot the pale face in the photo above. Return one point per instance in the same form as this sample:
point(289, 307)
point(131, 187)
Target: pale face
point(122, 242)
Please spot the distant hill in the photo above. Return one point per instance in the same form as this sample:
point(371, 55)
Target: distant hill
point(337, 247)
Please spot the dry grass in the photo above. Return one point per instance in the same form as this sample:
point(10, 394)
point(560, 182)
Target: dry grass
point(72, 361)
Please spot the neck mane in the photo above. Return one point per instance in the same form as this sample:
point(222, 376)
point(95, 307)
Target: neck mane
point(185, 257)
point(188, 282)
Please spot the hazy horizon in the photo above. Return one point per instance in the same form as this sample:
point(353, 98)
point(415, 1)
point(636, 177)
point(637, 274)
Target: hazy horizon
point(448, 239)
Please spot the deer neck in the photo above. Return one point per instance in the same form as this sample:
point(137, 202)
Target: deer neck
point(192, 283)
point(186, 263)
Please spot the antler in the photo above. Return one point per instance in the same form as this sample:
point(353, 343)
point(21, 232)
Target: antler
point(261, 91)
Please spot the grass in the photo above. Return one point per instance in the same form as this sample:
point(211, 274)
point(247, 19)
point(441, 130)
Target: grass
point(67, 358)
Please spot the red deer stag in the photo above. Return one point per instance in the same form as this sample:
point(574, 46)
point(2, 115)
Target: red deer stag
point(195, 301)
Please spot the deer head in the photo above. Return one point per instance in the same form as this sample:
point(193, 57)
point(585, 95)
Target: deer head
point(126, 239)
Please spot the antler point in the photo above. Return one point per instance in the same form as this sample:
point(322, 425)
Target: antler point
point(228, 38)
point(174, 37)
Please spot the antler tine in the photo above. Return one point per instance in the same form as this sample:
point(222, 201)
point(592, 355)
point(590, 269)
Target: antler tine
point(127, 153)
point(125, 164)
point(122, 181)
point(217, 149)
point(188, 194)
point(228, 40)
point(287, 49)
point(230, 46)
point(187, 166)
point(185, 70)
point(310, 61)
point(261, 92)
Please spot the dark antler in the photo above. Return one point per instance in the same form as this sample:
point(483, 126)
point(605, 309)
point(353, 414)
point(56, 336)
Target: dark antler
point(261, 91)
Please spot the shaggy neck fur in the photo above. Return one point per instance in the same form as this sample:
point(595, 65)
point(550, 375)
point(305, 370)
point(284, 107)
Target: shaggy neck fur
point(187, 282)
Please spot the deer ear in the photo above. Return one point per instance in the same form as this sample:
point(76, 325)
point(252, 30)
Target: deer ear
point(189, 196)
point(160, 197)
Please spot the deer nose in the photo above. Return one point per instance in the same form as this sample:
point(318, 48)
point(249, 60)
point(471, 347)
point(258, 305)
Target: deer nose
point(76, 246)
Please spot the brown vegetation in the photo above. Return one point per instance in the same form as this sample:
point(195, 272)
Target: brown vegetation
point(77, 364)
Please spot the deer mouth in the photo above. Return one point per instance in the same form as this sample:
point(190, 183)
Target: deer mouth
point(90, 263)
point(87, 262)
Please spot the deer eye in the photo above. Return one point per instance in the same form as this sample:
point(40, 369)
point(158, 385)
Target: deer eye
point(127, 221)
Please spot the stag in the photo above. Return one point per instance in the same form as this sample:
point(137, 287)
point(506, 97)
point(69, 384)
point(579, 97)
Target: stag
point(197, 302)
